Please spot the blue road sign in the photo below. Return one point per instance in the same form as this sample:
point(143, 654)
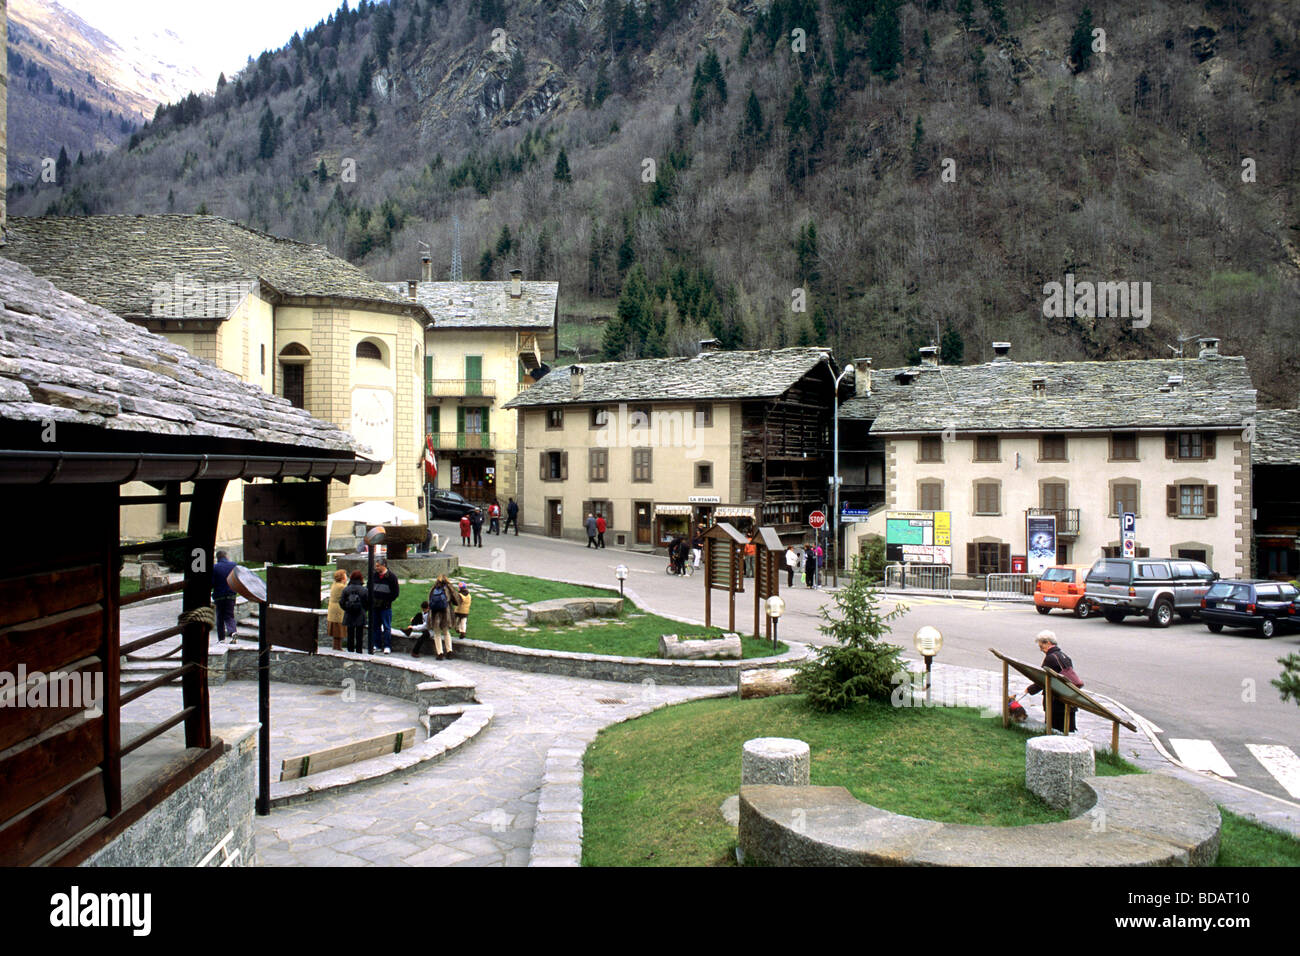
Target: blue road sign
point(1128, 522)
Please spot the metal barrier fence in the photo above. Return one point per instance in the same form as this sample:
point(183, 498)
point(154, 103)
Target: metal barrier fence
point(1009, 587)
point(929, 577)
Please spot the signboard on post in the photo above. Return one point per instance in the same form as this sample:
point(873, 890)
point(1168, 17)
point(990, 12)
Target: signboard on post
point(1128, 534)
point(768, 559)
point(817, 520)
point(918, 537)
point(1040, 535)
point(723, 569)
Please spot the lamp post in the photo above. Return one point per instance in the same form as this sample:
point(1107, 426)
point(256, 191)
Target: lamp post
point(835, 478)
point(775, 608)
point(620, 572)
point(927, 640)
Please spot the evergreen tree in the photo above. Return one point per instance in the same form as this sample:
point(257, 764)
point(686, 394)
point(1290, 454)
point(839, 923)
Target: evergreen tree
point(805, 250)
point(1080, 50)
point(485, 264)
point(626, 249)
point(268, 130)
point(221, 82)
point(562, 173)
point(952, 348)
point(505, 242)
point(322, 174)
point(603, 89)
point(883, 45)
point(61, 167)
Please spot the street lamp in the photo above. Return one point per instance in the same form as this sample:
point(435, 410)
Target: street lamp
point(775, 608)
point(620, 572)
point(835, 479)
point(927, 640)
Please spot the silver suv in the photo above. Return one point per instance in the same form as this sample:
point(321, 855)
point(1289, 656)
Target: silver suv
point(1154, 587)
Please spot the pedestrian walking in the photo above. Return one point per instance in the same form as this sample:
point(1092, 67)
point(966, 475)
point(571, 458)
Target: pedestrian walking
point(1055, 659)
point(223, 596)
point(494, 517)
point(820, 556)
point(355, 601)
point(809, 566)
point(512, 516)
point(384, 590)
point(590, 524)
point(697, 546)
point(476, 523)
point(334, 612)
point(443, 598)
point(600, 531)
point(791, 563)
point(464, 530)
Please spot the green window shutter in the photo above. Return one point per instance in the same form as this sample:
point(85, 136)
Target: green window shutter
point(486, 423)
point(460, 420)
point(428, 368)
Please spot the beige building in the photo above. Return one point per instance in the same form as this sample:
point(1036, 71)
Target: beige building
point(1084, 442)
point(657, 446)
point(484, 344)
point(286, 316)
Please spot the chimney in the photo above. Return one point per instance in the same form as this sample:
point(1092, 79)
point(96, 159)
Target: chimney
point(575, 381)
point(411, 287)
point(1174, 382)
point(862, 376)
point(1039, 386)
point(516, 283)
point(929, 355)
point(426, 268)
point(1000, 351)
point(710, 345)
point(904, 377)
point(1209, 347)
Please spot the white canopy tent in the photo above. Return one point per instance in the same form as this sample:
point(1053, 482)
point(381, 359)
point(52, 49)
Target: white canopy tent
point(374, 512)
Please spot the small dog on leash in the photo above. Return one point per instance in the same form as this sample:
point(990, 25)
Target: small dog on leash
point(1018, 713)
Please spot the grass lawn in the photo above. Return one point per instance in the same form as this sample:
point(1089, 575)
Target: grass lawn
point(634, 634)
point(127, 585)
point(653, 785)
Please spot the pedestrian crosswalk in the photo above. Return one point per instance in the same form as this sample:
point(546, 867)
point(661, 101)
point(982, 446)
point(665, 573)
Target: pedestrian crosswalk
point(1280, 762)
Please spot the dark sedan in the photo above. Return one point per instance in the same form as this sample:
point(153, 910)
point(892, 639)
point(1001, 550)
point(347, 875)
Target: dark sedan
point(449, 506)
point(1262, 606)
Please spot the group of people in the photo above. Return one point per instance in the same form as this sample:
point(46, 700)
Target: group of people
point(350, 604)
point(683, 554)
point(806, 562)
point(596, 527)
point(471, 525)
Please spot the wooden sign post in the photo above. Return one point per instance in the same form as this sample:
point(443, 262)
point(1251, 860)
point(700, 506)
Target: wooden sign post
point(724, 569)
point(769, 555)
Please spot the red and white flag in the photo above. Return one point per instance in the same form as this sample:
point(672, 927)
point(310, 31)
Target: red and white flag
point(430, 460)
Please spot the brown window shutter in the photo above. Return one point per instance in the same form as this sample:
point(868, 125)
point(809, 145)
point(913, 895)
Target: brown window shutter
point(542, 474)
point(564, 466)
point(1171, 444)
point(1207, 444)
point(1211, 501)
point(1171, 500)
point(1004, 558)
point(972, 559)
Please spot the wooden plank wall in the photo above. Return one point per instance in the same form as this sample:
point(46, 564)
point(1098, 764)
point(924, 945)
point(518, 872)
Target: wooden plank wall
point(58, 612)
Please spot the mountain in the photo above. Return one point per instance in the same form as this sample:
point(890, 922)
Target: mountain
point(868, 174)
point(72, 87)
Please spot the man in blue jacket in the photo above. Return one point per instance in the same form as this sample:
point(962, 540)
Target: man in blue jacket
point(383, 592)
point(223, 597)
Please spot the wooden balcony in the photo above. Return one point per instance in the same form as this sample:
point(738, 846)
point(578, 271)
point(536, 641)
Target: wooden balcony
point(460, 388)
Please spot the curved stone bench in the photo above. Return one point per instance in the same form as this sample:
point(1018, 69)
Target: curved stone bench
point(572, 610)
point(1135, 820)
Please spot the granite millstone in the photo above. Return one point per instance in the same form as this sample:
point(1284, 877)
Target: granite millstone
point(1055, 771)
point(775, 760)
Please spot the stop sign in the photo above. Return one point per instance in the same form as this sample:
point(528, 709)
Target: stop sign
point(817, 520)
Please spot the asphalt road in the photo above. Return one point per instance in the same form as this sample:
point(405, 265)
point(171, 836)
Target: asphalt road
point(1188, 682)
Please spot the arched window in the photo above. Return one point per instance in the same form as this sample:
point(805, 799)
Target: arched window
point(293, 373)
point(369, 350)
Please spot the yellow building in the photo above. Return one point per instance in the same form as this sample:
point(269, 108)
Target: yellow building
point(287, 316)
point(483, 345)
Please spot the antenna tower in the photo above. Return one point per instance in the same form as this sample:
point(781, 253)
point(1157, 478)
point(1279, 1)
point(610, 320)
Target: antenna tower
point(455, 250)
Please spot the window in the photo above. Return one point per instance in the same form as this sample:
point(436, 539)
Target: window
point(987, 557)
point(555, 465)
point(554, 418)
point(1123, 446)
point(1192, 446)
point(986, 498)
point(1192, 501)
point(294, 387)
point(930, 496)
point(931, 449)
point(986, 448)
point(703, 474)
point(1123, 498)
point(703, 416)
point(1153, 572)
point(601, 509)
point(598, 464)
point(599, 417)
point(369, 350)
point(262, 353)
point(1055, 496)
point(1051, 448)
point(432, 421)
point(641, 464)
point(640, 417)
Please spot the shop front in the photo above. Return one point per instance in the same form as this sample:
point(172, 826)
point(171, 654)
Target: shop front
point(679, 519)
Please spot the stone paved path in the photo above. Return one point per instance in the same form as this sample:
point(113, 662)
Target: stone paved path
point(477, 807)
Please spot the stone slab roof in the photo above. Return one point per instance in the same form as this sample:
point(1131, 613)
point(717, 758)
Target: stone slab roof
point(485, 305)
point(124, 264)
point(1277, 437)
point(883, 389)
point(764, 373)
point(999, 396)
point(65, 360)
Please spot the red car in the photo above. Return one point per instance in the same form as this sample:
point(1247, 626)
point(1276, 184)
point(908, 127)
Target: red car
point(1062, 587)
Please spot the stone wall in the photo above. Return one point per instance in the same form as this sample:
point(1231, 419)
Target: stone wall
point(186, 826)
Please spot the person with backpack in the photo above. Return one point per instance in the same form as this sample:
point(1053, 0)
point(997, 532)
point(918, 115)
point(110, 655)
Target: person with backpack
point(494, 517)
point(443, 599)
point(512, 516)
point(355, 602)
point(464, 530)
point(384, 590)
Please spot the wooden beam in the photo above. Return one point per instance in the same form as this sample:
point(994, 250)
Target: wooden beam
point(292, 768)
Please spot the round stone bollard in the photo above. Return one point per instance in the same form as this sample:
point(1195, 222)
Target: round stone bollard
point(775, 760)
point(1055, 768)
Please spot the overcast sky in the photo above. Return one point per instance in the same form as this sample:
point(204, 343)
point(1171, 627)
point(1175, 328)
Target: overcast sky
point(218, 36)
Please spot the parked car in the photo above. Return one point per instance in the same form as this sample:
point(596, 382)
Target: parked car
point(1155, 588)
point(1062, 587)
point(1262, 606)
point(449, 506)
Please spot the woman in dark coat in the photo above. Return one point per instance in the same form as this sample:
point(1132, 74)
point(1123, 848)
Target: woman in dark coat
point(355, 601)
point(1054, 659)
point(809, 566)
